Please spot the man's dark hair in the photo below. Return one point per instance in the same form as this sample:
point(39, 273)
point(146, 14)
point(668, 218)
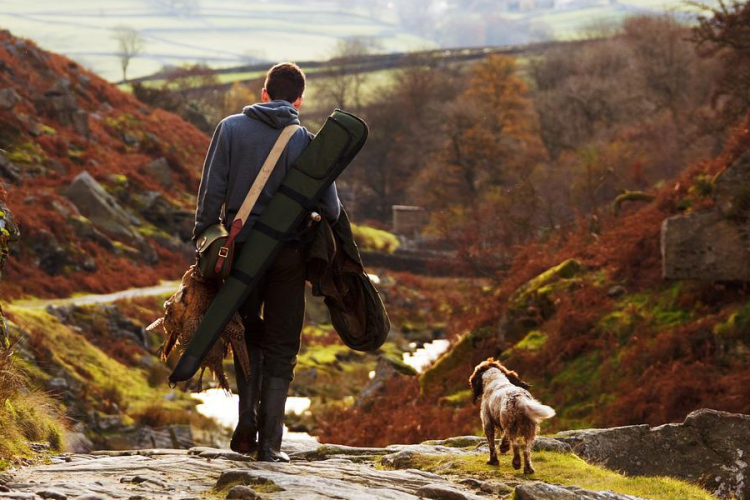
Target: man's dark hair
point(285, 81)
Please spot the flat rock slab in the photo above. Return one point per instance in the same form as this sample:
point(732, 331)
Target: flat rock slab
point(543, 491)
point(711, 448)
point(342, 479)
point(182, 474)
point(122, 476)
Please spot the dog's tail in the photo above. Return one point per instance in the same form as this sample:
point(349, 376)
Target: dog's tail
point(536, 411)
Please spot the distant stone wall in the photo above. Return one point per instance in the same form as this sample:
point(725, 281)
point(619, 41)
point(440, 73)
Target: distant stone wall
point(713, 245)
point(409, 221)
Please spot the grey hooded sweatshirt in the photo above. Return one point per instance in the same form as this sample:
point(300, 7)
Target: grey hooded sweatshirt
point(238, 149)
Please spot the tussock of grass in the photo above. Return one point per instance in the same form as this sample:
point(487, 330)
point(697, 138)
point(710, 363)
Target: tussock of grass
point(565, 469)
point(26, 415)
point(109, 383)
point(375, 240)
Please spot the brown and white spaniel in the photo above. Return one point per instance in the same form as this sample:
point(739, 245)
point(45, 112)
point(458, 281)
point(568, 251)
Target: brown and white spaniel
point(508, 407)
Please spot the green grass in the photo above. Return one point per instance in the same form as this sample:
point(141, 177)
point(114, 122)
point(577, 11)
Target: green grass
point(659, 309)
point(582, 394)
point(27, 414)
point(533, 341)
point(458, 399)
point(316, 356)
point(375, 240)
point(565, 469)
point(545, 283)
point(27, 153)
point(80, 359)
point(737, 326)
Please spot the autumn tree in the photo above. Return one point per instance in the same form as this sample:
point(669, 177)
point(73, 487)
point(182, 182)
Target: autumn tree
point(621, 113)
point(405, 118)
point(724, 33)
point(241, 94)
point(491, 136)
point(480, 182)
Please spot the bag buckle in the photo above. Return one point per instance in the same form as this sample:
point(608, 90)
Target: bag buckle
point(224, 252)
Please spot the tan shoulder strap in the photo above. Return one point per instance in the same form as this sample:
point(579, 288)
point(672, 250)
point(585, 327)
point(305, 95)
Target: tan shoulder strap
point(264, 174)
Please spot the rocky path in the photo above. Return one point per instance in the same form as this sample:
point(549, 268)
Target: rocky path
point(316, 473)
point(708, 449)
point(163, 288)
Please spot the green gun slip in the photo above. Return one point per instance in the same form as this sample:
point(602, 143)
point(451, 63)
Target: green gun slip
point(325, 158)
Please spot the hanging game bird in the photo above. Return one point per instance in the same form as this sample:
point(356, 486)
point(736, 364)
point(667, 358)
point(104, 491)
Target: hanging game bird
point(184, 311)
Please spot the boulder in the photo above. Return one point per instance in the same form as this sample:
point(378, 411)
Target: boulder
point(704, 246)
point(241, 492)
point(93, 201)
point(60, 103)
point(9, 98)
point(533, 303)
point(160, 170)
point(8, 170)
point(712, 245)
point(732, 190)
point(52, 494)
point(84, 229)
point(164, 214)
point(77, 442)
point(544, 491)
point(9, 234)
point(443, 492)
point(53, 259)
point(710, 448)
point(386, 369)
point(140, 437)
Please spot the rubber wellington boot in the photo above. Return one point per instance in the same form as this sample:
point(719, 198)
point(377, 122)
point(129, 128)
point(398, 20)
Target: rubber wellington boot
point(244, 439)
point(271, 421)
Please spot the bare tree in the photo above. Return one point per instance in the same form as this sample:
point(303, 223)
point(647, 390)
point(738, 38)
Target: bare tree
point(344, 88)
point(130, 44)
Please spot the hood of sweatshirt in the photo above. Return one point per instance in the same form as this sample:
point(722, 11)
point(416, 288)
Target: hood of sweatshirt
point(276, 114)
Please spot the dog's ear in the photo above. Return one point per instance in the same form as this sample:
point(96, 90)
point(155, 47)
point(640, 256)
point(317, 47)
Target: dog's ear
point(475, 381)
point(515, 380)
point(512, 376)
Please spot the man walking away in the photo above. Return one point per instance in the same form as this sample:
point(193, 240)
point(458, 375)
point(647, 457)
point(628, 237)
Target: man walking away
point(273, 314)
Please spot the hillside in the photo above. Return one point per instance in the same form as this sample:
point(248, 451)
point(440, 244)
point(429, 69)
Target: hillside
point(100, 184)
point(592, 324)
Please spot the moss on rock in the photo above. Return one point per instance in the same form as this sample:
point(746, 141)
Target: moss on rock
point(558, 468)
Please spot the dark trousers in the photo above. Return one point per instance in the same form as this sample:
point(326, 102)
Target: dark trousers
point(274, 313)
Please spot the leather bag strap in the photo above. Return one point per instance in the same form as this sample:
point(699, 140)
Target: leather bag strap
point(257, 188)
point(260, 181)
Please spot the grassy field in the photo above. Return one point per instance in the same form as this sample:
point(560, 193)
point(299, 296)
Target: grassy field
point(219, 33)
point(228, 33)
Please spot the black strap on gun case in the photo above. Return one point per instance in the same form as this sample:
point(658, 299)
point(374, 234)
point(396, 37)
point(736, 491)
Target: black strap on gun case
point(330, 152)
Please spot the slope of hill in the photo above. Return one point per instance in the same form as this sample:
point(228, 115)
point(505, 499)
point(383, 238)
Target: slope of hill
point(592, 325)
point(100, 184)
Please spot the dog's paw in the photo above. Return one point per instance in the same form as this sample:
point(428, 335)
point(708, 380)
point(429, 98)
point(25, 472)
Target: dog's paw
point(493, 461)
point(528, 470)
point(516, 462)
